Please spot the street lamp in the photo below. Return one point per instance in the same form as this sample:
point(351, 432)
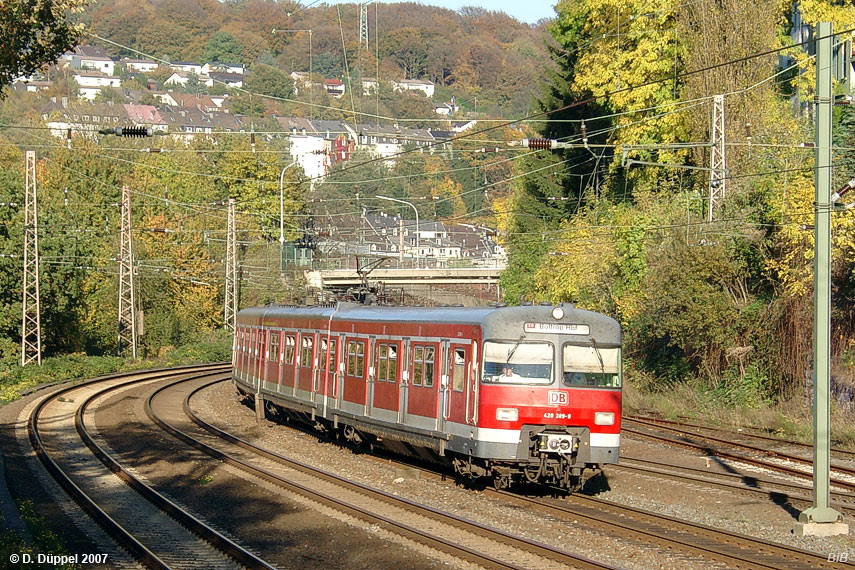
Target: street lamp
point(417, 221)
point(282, 212)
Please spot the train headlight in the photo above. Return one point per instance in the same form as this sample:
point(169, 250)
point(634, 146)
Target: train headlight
point(553, 444)
point(604, 418)
point(507, 414)
point(557, 313)
point(564, 444)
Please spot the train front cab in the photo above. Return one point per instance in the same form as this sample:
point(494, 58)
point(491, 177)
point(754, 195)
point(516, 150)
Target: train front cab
point(558, 413)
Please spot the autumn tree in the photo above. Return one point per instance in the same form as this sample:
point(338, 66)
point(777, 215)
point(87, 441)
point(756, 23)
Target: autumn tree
point(35, 33)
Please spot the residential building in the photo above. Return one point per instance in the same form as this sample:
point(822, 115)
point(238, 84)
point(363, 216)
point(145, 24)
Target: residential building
point(426, 87)
point(229, 79)
point(91, 83)
point(200, 101)
point(334, 87)
point(84, 118)
point(146, 115)
point(388, 141)
point(138, 65)
point(186, 67)
point(219, 67)
point(183, 77)
point(318, 145)
point(184, 122)
point(95, 63)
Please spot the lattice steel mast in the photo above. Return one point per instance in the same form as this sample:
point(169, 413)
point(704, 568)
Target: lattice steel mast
point(31, 333)
point(127, 293)
point(718, 167)
point(230, 311)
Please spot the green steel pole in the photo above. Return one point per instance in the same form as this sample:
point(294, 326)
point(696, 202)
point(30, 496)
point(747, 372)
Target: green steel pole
point(820, 512)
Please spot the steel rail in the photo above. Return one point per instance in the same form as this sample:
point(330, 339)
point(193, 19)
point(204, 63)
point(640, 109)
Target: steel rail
point(778, 440)
point(733, 456)
point(123, 536)
point(440, 543)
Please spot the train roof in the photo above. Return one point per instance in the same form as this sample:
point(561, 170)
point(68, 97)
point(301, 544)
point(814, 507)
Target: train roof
point(491, 316)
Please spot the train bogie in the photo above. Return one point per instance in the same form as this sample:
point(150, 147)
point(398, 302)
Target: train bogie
point(512, 394)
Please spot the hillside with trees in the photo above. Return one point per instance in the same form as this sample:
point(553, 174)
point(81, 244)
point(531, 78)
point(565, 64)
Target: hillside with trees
point(489, 61)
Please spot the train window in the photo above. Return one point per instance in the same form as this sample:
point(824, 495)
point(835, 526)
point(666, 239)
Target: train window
point(392, 371)
point(274, 345)
point(512, 362)
point(306, 354)
point(459, 374)
point(355, 358)
point(418, 365)
point(290, 348)
point(591, 366)
point(332, 361)
point(429, 367)
point(382, 362)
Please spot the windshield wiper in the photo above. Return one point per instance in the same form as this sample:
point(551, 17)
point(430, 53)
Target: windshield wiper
point(599, 356)
point(514, 349)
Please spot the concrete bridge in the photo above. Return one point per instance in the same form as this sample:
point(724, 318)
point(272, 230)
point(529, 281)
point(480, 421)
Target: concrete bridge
point(469, 285)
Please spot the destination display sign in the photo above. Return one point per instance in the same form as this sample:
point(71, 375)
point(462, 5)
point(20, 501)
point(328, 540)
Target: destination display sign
point(557, 328)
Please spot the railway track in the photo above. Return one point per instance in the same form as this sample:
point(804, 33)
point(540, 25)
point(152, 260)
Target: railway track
point(747, 433)
point(156, 531)
point(705, 444)
point(779, 492)
point(451, 534)
point(733, 549)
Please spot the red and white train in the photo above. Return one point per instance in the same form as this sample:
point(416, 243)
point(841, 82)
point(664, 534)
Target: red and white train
point(529, 393)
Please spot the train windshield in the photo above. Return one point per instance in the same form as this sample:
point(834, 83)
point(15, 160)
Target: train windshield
point(591, 366)
point(518, 362)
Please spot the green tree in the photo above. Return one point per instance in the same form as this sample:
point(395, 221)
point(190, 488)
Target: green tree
point(268, 80)
point(223, 47)
point(35, 33)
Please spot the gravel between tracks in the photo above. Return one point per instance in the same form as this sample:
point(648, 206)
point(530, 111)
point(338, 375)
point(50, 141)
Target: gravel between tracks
point(717, 508)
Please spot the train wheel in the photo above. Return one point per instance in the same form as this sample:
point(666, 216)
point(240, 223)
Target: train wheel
point(501, 481)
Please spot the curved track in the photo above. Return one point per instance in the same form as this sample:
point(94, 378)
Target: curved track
point(153, 529)
point(460, 537)
point(733, 549)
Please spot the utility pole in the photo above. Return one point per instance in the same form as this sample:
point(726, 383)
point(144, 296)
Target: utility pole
point(231, 271)
point(127, 293)
point(363, 25)
point(718, 167)
point(31, 333)
point(820, 519)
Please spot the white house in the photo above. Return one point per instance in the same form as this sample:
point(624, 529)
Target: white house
point(186, 66)
point(181, 78)
point(91, 83)
point(426, 87)
point(138, 65)
point(229, 79)
point(369, 85)
point(96, 63)
point(216, 66)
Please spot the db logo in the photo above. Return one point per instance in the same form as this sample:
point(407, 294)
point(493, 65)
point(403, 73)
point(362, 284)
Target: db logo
point(559, 398)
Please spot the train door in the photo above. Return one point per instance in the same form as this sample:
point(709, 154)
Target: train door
point(387, 374)
point(338, 378)
point(289, 371)
point(354, 386)
point(322, 383)
point(423, 382)
point(444, 387)
point(370, 379)
point(404, 383)
point(459, 360)
point(256, 357)
point(306, 366)
point(472, 386)
point(271, 374)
